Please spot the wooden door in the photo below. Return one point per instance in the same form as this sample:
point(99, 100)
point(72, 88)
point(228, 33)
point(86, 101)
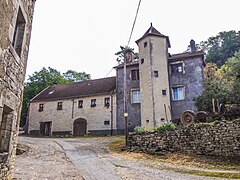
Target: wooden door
point(79, 127)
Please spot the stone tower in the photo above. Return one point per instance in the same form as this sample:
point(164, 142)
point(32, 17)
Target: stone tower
point(154, 78)
point(15, 31)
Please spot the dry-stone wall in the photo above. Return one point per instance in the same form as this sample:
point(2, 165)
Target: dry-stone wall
point(220, 139)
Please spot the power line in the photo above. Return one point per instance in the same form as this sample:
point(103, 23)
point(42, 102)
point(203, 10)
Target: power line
point(134, 22)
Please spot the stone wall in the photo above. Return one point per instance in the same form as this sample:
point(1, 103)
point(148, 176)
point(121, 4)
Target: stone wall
point(220, 139)
point(16, 24)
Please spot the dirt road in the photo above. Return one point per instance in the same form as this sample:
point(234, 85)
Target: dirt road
point(84, 158)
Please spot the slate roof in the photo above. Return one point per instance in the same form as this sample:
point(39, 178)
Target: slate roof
point(187, 55)
point(154, 32)
point(78, 89)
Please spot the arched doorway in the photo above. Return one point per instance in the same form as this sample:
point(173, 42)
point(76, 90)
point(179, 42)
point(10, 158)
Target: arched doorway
point(80, 127)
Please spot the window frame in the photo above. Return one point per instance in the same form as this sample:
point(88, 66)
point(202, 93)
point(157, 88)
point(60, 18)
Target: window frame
point(181, 97)
point(19, 32)
point(40, 107)
point(107, 102)
point(80, 103)
point(60, 106)
point(177, 68)
point(135, 74)
point(93, 103)
point(138, 98)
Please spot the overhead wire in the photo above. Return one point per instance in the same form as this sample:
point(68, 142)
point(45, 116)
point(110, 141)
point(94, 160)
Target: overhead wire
point(134, 22)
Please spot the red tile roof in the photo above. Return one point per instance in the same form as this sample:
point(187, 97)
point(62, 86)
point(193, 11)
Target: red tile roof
point(78, 89)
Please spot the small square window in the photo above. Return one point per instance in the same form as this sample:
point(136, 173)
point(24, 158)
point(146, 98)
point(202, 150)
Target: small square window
point(107, 102)
point(142, 61)
point(135, 74)
point(59, 106)
point(80, 104)
point(155, 74)
point(93, 103)
point(106, 122)
point(145, 44)
point(164, 92)
point(177, 68)
point(40, 108)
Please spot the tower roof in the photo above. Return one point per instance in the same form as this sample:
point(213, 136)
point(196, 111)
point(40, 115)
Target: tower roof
point(154, 32)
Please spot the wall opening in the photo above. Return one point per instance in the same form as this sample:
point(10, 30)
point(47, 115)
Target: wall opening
point(19, 32)
point(6, 129)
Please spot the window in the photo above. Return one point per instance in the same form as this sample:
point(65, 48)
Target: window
point(142, 61)
point(145, 44)
point(155, 73)
point(107, 102)
point(40, 108)
point(80, 104)
point(135, 74)
point(177, 68)
point(178, 93)
point(59, 106)
point(106, 122)
point(93, 102)
point(135, 96)
point(19, 33)
point(164, 92)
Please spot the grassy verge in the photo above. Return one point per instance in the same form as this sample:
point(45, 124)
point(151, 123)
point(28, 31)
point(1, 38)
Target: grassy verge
point(185, 163)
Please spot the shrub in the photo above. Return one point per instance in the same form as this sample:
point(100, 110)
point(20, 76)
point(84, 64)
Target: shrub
point(165, 127)
point(139, 130)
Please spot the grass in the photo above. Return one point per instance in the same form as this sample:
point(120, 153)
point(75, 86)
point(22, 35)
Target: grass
point(185, 163)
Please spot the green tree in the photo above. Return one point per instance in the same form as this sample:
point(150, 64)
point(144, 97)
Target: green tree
point(38, 81)
point(75, 76)
point(220, 47)
point(221, 83)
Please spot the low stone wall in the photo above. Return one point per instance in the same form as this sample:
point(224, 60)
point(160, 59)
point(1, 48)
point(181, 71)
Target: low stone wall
point(4, 166)
point(219, 139)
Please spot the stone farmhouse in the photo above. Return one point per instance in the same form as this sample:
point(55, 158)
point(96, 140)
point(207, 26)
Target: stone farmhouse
point(159, 87)
point(15, 30)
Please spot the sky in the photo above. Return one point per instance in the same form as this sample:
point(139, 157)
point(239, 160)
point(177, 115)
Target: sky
point(84, 35)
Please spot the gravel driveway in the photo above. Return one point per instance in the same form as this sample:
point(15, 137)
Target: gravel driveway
point(84, 158)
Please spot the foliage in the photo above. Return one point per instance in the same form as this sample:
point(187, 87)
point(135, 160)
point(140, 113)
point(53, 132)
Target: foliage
point(165, 127)
point(123, 51)
point(139, 130)
point(221, 83)
point(220, 47)
point(44, 78)
point(75, 76)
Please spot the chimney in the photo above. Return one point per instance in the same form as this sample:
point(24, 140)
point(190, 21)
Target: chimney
point(193, 46)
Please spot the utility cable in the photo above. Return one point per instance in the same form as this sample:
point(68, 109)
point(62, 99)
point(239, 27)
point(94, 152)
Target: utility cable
point(134, 22)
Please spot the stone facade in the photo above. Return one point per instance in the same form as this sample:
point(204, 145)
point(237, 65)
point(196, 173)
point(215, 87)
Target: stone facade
point(154, 78)
point(100, 119)
point(134, 118)
point(190, 79)
point(168, 83)
point(16, 24)
point(220, 139)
